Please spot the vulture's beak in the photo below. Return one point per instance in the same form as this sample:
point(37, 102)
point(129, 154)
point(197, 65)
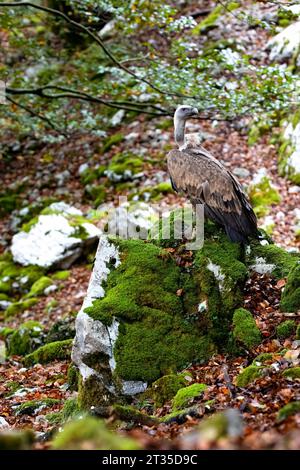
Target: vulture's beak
point(195, 112)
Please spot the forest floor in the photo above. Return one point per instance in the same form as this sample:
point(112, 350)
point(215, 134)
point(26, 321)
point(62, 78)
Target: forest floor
point(260, 401)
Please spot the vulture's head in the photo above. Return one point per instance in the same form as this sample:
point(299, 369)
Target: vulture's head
point(185, 112)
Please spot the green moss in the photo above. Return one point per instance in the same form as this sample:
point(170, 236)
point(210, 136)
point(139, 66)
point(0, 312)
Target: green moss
point(19, 307)
point(288, 410)
point(210, 21)
point(143, 288)
point(166, 387)
point(185, 396)
point(165, 124)
point(92, 174)
point(4, 297)
point(61, 275)
point(25, 339)
point(290, 299)
point(70, 409)
point(59, 350)
point(248, 375)
point(298, 332)
point(91, 433)
point(112, 140)
point(262, 358)
point(39, 286)
point(158, 191)
point(263, 195)
point(292, 373)
point(9, 203)
point(286, 329)
point(73, 377)
point(245, 329)
point(6, 331)
point(220, 276)
point(281, 259)
point(34, 406)
point(16, 440)
point(61, 330)
point(125, 162)
point(12, 386)
point(27, 226)
point(129, 414)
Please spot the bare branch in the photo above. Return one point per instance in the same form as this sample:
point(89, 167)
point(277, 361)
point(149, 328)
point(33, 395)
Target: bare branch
point(151, 109)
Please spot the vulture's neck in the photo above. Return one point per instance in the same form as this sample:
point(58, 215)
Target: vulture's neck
point(179, 127)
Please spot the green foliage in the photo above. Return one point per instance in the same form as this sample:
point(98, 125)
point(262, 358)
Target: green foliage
point(185, 396)
point(59, 350)
point(286, 329)
point(248, 375)
point(245, 329)
point(290, 299)
point(288, 410)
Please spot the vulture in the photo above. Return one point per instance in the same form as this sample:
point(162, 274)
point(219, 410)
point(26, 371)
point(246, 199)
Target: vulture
point(204, 180)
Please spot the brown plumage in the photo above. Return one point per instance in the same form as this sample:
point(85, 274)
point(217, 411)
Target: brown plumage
point(204, 180)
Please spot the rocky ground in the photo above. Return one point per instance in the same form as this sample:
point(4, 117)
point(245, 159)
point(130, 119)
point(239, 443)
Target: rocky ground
point(266, 401)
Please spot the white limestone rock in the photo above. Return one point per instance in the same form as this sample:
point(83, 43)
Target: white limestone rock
point(53, 241)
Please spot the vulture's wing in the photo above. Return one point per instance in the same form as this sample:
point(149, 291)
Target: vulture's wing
point(205, 180)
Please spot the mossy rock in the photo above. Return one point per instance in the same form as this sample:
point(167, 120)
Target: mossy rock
point(25, 339)
point(288, 410)
point(38, 288)
point(61, 330)
point(210, 21)
point(112, 140)
point(15, 278)
point(185, 396)
point(166, 387)
point(290, 299)
point(286, 329)
point(59, 350)
point(292, 373)
point(245, 330)
point(73, 377)
point(16, 440)
point(262, 196)
point(35, 406)
point(130, 414)
point(219, 276)
point(91, 433)
point(248, 375)
point(280, 261)
point(262, 358)
point(69, 411)
point(18, 307)
point(154, 337)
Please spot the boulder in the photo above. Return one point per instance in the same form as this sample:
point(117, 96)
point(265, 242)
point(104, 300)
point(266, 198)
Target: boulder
point(147, 315)
point(54, 239)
